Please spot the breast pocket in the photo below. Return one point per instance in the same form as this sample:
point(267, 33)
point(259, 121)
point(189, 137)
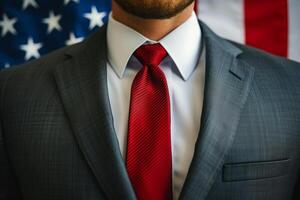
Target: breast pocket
point(255, 170)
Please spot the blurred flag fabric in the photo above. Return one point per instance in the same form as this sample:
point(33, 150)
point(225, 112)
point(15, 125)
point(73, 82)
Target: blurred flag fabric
point(271, 25)
point(31, 28)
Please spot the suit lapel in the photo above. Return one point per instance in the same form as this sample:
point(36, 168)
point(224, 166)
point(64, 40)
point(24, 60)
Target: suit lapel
point(226, 89)
point(82, 84)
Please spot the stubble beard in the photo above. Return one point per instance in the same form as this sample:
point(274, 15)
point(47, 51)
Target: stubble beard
point(154, 9)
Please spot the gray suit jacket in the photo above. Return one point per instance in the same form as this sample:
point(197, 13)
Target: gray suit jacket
point(57, 139)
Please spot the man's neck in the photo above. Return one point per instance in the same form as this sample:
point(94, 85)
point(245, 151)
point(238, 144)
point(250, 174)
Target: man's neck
point(154, 29)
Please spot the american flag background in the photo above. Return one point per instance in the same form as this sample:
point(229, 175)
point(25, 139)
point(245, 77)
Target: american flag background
point(32, 28)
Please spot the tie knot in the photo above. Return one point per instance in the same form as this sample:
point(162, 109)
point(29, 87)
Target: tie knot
point(151, 54)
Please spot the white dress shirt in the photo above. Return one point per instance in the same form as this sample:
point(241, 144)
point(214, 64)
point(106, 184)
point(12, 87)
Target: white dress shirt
point(185, 73)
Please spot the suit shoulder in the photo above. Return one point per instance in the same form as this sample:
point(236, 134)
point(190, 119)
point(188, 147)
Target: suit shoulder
point(38, 66)
point(34, 77)
point(37, 70)
point(264, 61)
point(273, 75)
point(271, 69)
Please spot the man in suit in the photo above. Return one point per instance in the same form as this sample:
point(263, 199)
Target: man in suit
point(152, 106)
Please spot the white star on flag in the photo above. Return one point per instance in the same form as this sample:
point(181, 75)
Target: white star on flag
point(7, 65)
point(68, 1)
point(27, 3)
point(95, 17)
point(73, 40)
point(31, 49)
point(7, 25)
point(53, 22)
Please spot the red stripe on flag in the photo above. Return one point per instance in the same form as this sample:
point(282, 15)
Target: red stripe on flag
point(266, 25)
point(196, 6)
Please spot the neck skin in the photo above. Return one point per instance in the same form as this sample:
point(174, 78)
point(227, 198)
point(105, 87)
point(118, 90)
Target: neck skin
point(154, 29)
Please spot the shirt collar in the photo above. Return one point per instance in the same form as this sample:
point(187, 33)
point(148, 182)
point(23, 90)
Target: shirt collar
point(182, 45)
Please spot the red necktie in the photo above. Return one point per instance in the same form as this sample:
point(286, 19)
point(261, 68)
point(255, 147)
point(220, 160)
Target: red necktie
point(149, 159)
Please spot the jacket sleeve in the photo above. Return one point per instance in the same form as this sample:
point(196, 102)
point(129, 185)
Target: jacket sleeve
point(297, 190)
point(8, 184)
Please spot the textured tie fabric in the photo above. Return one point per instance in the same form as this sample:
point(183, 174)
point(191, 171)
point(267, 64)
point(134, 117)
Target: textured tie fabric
point(149, 157)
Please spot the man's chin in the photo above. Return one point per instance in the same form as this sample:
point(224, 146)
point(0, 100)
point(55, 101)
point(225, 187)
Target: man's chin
point(162, 10)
